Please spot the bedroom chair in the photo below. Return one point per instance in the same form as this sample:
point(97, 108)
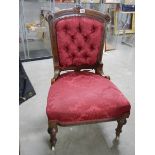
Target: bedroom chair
point(79, 96)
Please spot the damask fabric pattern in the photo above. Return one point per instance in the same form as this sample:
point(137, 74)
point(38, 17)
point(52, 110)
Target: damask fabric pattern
point(79, 40)
point(82, 97)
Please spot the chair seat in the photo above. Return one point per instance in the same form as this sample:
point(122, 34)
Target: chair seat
point(80, 97)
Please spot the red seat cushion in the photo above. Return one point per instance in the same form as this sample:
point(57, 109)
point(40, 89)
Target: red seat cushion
point(84, 97)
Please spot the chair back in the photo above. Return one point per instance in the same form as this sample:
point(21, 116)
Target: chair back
point(77, 38)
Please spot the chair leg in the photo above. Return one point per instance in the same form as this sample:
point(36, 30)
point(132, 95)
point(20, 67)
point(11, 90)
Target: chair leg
point(120, 122)
point(52, 130)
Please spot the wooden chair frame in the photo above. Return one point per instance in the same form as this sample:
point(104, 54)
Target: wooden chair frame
point(98, 67)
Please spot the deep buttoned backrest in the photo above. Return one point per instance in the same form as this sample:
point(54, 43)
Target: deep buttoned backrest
point(79, 41)
point(77, 38)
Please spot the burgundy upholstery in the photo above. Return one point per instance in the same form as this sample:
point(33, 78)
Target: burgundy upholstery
point(79, 40)
point(84, 97)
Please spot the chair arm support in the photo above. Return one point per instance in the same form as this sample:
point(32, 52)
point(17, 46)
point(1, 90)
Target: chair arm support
point(99, 70)
point(56, 74)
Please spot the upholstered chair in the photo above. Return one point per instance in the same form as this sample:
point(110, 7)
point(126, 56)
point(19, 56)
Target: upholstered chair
point(82, 94)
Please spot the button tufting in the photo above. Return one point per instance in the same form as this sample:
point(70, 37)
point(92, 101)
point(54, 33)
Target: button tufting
point(66, 48)
point(78, 40)
point(65, 28)
point(92, 47)
point(79, 28)
point(85, 55)
point(85, 38)
point(73, 38)
point(73, 55)
point(93, 28)
point(79, 48)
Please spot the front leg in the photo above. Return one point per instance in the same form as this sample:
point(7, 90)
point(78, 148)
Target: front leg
point(52, 130)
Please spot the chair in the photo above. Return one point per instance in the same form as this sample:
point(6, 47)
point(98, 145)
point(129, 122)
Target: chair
point(80, 96)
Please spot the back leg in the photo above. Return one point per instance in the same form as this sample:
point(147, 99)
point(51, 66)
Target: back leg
point(120, 122)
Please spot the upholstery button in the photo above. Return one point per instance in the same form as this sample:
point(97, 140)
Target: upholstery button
point(65, 28)
point(73, 55)
point(66, 48)
point(93, 28)
point(73, 38)
point(79, 28)
point(92, 47)
point(85, 38)
point(79, 48)
point(85, 55)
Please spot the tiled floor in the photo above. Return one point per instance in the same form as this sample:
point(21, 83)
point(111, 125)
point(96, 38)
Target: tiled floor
point(96, 139)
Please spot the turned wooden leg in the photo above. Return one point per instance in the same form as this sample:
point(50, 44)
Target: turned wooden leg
point(52, 130)
point(120, 122)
